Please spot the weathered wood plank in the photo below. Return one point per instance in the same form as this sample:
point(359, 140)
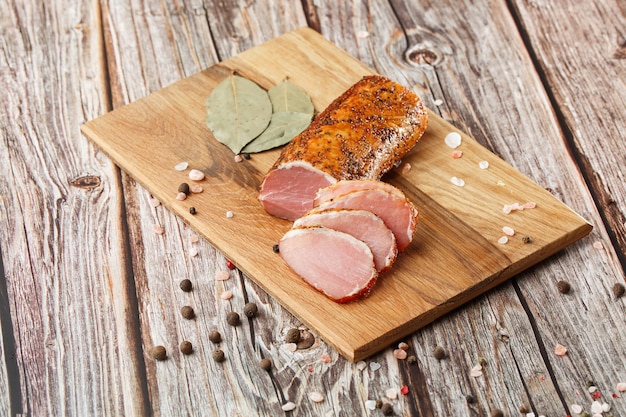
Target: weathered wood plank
point(583, 63)
point(61, 238)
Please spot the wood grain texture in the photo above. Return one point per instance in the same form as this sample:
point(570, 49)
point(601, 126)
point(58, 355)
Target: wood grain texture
point(454, 258)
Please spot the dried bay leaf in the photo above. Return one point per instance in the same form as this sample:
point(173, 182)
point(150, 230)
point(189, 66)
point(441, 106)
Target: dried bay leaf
point(283, 127)
point(238, 110)
point(288, 97)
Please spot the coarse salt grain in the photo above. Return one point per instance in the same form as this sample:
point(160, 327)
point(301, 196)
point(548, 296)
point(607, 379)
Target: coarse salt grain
point(483, 165)
point(193, 252)
point(399, 354)
point(592, 389)
point(576, 409)
point(438, 102)
point(476, 371)
point(391, 393)
point(362, 34)
point(596, 407)
point(370, 404)
point(453, 140)
point(238, 158)
point(196, 175)
point(316, 397)
point(181, 196)
point(560, 350)
point(405, 168)
point(325, 358)
point(360, 365)
point(508, 231)
point(288, 406)
point(196, 189)
point(621, 386)
point(222, 276)
point(289, 347)
point(194, 238)
point(374, 366)
point(457, 153)
point(155, 202)
point(229, 214)
point(403, 346)
point(457, 181)
point(158, 229)
point(226, 295)
point(503, 240)
point(598, 245)
point(181, 166)
point(529, 205)
point(606, 407)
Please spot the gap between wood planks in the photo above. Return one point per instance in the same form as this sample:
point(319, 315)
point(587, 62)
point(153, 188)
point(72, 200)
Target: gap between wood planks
point(585, 168)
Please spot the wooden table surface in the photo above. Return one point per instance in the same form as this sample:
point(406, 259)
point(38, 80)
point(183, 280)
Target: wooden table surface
point(88, 288)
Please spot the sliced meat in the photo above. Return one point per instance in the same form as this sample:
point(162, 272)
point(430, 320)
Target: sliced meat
point(335, 263)
point(398, 213)
point(360, 135)
point(363, 225)
point(346, 186)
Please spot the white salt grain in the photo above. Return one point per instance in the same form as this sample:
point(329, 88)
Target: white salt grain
point(483, 165)
point(181, 166)
point(476, 371)
point(289, 347)
point(508, 231)
point(592, 389)
point(621, 386)
point(391, 393)
point(576, 409)
point(362, 34)
point(229, 214)
point(606, 407)
point(193, 252)
point(374, 366)
point(596, 407)
point(405, 168)
point(597, 245)
point(438, 102)
point(316, 397)
point(453, 140)
point(222, 276)
point(196, 175)
point(370, 404)
point(158, 229)
point(360, 365)
point(288, 406)
point(457, 181)
point(503, 240)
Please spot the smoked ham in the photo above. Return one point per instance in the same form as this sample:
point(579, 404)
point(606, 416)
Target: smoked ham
point(360, 135)
point(335, 263)
point(346, 186)
point(398, 213)
point(363, 225)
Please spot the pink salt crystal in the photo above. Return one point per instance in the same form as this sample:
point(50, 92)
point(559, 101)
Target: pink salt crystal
point(399, 354)
point(238, 158)
point(508, 231)
point(405, 168)
point(560, 350)
point(196, 189)
point(158, 229)
point(288, 406)
point(476, 371)
point(507, 209)
point(196, 175)
point(316, 397)
point(193, 252)
point(226, 295)
point(181, 196)
point(456, 154)
point(154, 202)
point(403, 345)
point(391, 393)
point(597, 245)
point(529, 205)
point(325, 358)
point(194, 238)
point(222, 276)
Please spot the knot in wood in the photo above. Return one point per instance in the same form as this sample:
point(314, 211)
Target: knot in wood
point(86, 182)
point(420, 55)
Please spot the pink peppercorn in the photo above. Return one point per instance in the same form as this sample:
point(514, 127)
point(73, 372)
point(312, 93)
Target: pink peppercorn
point(230, 265)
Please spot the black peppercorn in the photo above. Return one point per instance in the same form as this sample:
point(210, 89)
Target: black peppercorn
point(186, 285)
point(192, 210)
point(618, 290)
point(246, 155)
point(470, 399)
point(250, 309)
point(496, 412)
point(183, 188)
point(439, 353)
point(275, 249)
point(526, 239)
point(159, 353)
point(292, 336)
point(387, 409)
point(187, 312)
point(215, 336)
point(265, 364)
point(563, 286)
point(186, 347)
point(233, 319)
point(218, 355)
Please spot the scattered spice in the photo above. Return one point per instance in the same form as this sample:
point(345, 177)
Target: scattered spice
point(453, 140)
point(316, 397)
point(187, 312)
point(325, 358)
point(181, 196)
point(158, 229)
point(405, 168)
point(399, 354)
point(375, 366)
point(275, 249)
point(523, 409)
point(186, 348)
point(226, 295)
point(370, 404)
point(265, 364)
point(503, 240)
point(439, 353)
point(184, 188)
point(218, 355)
point(196, 189)
point(411, 360)
point(379, 404)
point(621, 386)
point(564, 287)
point(229, 214)
point(618, 290)
point(560, 350)
point(238, 158)
point(159, 353)
point(229, 264)
point(233, 319)
point(192, 210)
point(288, 406)
point(246, 155)
point(391, 393)
point(222, 276)
point(250, 309)
point(508, 231)
point(470, 399)
point(387, 409)
point(181, 166)
point(457, 181)
point(476, 371)
point(457, 153)
point(215, 336)
point(404, 390)
point(482, 361)
point(526, 239)
point(403, 346)
point(196, 175)
point(186, 285)
point(193, 252)
point(483, 165)
point(496, 412)
point(597, 245)
point(194, 238)
point(293, 336)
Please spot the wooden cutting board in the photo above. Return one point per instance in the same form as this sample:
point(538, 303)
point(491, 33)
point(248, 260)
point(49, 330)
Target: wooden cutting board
point(455, 255)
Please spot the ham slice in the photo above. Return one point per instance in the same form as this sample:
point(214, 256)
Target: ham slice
point(346, 186)
point(335, 263)
point(361, 224)
point(398, 213)
point(360, 135)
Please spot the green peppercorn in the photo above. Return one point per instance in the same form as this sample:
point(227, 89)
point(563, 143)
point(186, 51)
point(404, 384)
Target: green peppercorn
point(186, 347)
point(250, 309)
point(379, 404)
point(159, 353)
point(439, 353)
point(215, 336)
point(293, 336)
point(387, 409)
point(186, 285)
point(192, 210)
point(564, 287)
point(482, 361)
point(265, 364)
point(233, 319)
point(184, 188)
point(411, 360)
point(187, 312)
point(218, 355)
